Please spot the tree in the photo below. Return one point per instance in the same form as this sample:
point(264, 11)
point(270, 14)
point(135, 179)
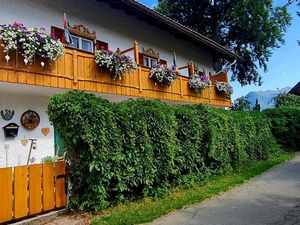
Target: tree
point(286, 100)
point(251, 29)
point(241, 104)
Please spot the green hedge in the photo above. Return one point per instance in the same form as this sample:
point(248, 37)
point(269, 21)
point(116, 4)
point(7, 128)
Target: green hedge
point(286, 127)
point(120, 152)
point(286, 100)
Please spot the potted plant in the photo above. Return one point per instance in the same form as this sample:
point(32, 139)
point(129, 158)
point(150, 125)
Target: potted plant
point(199, 82)
point(224, 87)
point(30, 42)
point(163, 75)
point(116, 63)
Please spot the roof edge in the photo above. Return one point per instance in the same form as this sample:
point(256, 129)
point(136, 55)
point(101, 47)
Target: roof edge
point(182, 29)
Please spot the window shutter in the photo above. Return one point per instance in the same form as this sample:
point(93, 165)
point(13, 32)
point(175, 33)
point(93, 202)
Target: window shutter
point(100, 45)
point(57, 32)
point(141, 59)
point(163, 62)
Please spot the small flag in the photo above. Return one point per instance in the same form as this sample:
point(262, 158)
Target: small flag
point(67, 39)
point(175, 61)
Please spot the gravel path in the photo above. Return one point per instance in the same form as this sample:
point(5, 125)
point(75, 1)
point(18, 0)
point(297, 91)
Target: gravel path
point(270, 199)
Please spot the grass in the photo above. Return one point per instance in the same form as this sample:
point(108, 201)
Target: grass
point(148, 209)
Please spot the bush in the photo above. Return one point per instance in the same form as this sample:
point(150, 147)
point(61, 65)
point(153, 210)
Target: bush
point(286, 127)
point(286, 100)
point(139, 148)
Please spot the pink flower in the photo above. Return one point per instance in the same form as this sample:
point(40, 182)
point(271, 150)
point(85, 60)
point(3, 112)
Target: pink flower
point(16, 24)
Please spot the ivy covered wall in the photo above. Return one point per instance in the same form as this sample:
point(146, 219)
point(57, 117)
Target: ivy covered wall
point(137, 148)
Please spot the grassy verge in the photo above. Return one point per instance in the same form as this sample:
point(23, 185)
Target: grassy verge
point(148, 209)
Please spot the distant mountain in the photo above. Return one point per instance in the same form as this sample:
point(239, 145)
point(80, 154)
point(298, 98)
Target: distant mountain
point(265, 98)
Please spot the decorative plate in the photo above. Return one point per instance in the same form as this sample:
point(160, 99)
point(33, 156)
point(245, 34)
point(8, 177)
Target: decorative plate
point(30, 119)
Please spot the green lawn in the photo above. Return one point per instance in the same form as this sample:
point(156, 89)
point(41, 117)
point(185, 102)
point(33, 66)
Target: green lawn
point(148, 209)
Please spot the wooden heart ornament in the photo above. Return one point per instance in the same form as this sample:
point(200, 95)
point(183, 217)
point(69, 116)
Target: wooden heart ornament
point(24, 142)
point(45, 131)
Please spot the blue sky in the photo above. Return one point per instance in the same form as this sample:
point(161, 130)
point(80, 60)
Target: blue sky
point(284, 65)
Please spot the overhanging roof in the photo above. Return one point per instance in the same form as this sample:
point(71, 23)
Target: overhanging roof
point(142, 12)
point(295, 90)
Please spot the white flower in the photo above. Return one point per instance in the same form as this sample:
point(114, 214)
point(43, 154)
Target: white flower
point(224, 87)
point(199, 82)
point(30, 42)
point(163, 75)
point(114, 62)
point(7, 58)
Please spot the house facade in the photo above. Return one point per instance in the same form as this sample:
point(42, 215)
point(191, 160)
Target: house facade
point(124, 26)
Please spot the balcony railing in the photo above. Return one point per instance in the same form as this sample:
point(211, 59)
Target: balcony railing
point(77, 70)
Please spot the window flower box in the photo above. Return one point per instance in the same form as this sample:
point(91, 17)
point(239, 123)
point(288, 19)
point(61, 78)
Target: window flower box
point(224, 87)
point(199, 82)
point(163, 75)
point(116, 63)
point(30, 42)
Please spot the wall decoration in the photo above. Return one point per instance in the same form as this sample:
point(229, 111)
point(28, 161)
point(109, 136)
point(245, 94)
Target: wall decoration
point(30, 119)
point(11, 130)
point(24, 142)
point(7, 114)
point(45, 131)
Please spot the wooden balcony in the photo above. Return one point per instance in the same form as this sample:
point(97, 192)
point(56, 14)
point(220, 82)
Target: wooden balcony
point(77, 70)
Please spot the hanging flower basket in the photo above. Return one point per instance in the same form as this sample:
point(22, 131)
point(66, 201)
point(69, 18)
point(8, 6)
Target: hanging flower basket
point(116, 63)
point(199, 82)
point(224, 87)
point(163, 75)
point(30, 42)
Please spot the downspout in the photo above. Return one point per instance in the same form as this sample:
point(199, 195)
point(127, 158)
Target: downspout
point(226, 68)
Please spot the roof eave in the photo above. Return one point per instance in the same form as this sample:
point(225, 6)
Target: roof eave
point(222, 51)
point(295, 89)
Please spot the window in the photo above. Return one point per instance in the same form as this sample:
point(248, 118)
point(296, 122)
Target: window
point(149, 62)
point(82, 43)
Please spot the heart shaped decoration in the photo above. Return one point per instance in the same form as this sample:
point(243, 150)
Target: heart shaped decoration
point(45, 131)
point(24, 142)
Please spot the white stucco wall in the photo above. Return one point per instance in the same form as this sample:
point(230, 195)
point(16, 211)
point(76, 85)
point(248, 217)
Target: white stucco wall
point(17, 153)
point(111, 25)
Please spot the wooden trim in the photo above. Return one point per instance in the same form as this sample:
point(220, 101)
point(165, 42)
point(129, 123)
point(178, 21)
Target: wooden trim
point(150, 53)
point(82, 31)
point(75, 66)
point(30, 190)
point(136, 52)
point(78, 70)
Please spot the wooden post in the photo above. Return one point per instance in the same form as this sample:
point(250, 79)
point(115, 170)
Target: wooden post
point(181, 87)
point(75, 67)
point(140, 78)
point(136, 52)
point(192, 68)
point(226, 76)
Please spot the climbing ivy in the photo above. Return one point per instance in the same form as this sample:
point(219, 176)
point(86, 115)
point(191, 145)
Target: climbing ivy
point(121, 152)
point(286, 126)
